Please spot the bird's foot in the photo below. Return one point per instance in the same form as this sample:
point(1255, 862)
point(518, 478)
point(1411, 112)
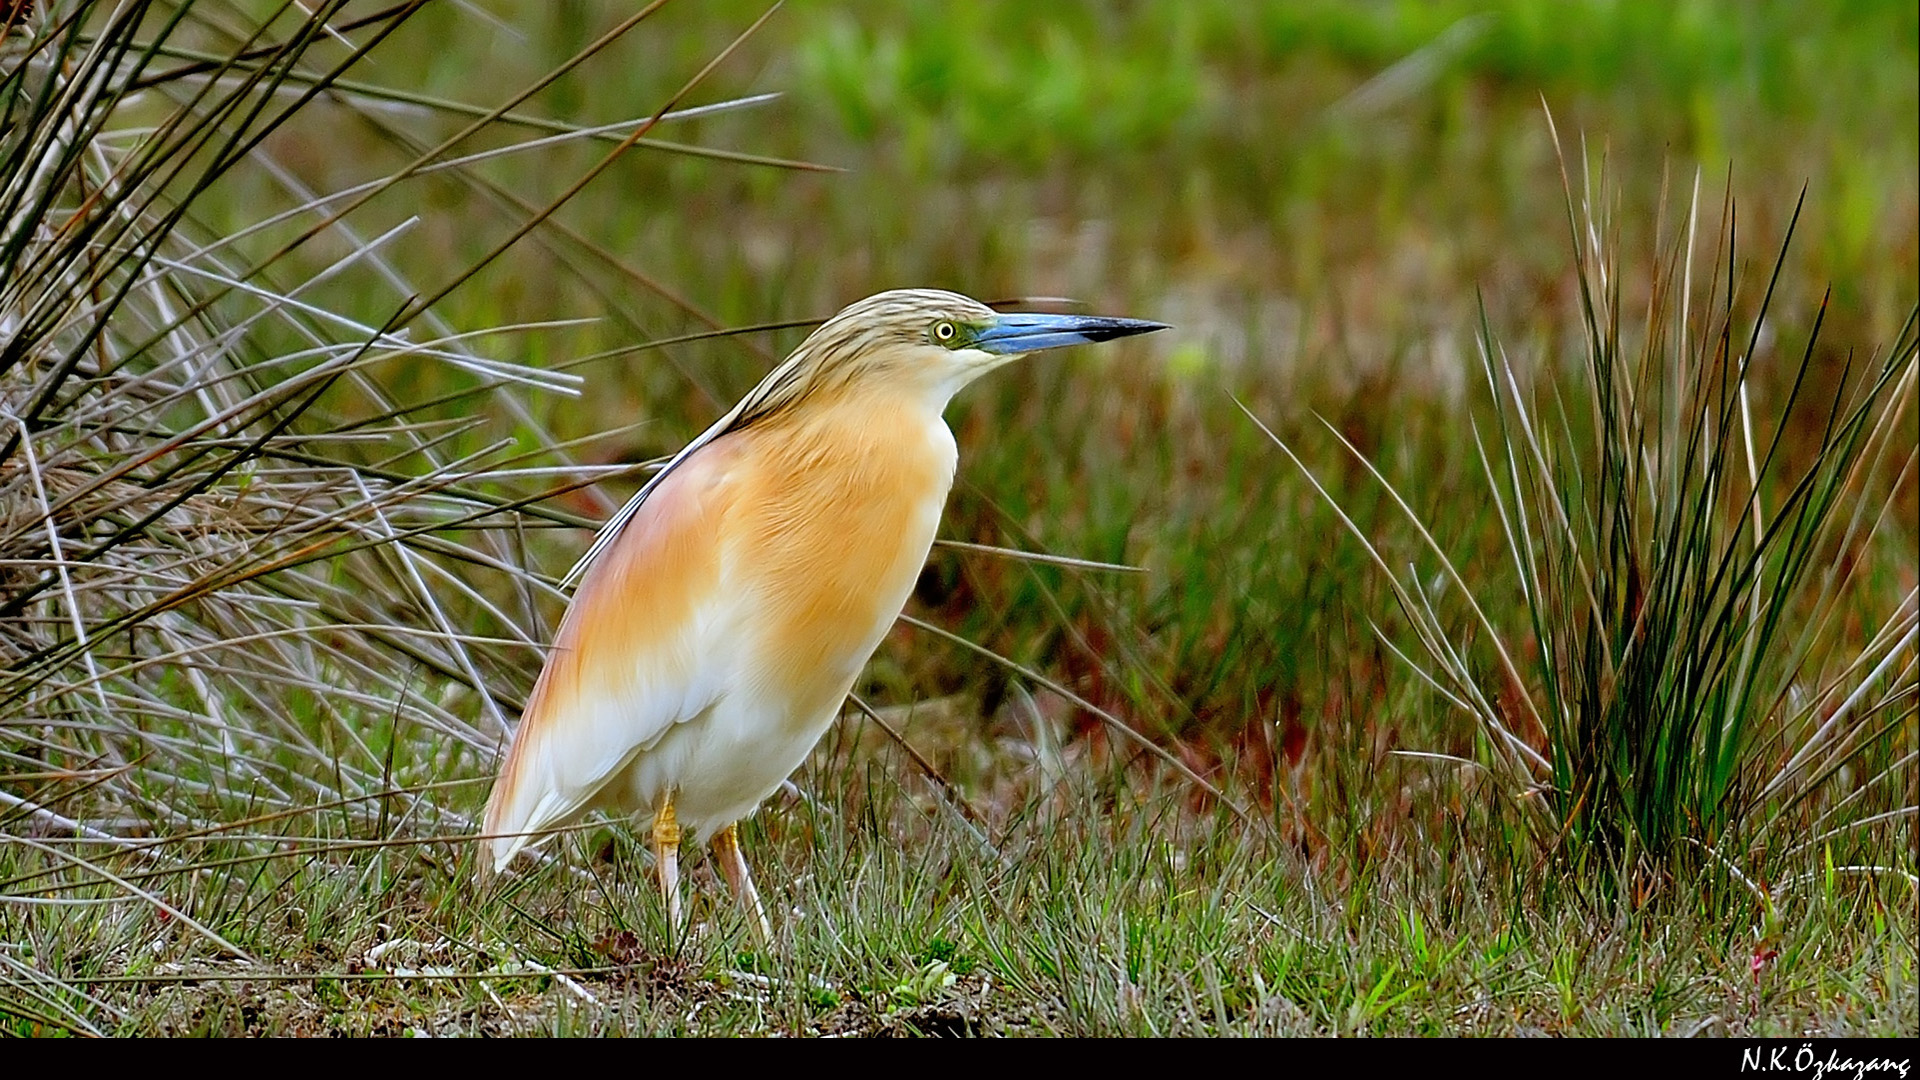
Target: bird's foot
point(666, 860)
point(726, 850)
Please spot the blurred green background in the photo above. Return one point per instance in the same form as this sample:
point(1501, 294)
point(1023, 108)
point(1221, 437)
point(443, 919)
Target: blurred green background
point(1318, 195)
point(1369, 158)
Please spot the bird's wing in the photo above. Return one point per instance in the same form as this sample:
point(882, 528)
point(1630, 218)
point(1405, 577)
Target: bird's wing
point(744, 411)
point(634, 654)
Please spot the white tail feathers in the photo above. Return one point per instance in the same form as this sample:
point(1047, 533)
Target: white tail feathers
point(518, 812)
point(508, 833)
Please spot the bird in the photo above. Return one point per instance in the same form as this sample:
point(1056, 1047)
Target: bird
point(723, 614)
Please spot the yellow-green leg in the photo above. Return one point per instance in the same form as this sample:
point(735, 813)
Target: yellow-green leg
point(726, 850)
point(666, 859)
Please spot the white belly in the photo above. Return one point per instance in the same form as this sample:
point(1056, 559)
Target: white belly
point(720, 766)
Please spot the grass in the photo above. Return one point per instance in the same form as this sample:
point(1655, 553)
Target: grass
point(279, 766)
point(1138, 919)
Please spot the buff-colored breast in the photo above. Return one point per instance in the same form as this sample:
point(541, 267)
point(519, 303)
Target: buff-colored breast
point(838, 526)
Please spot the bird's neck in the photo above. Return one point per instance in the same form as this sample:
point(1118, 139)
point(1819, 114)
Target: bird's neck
point(898, 423)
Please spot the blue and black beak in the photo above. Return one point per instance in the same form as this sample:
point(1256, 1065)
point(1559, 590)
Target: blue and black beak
point(1013, 334)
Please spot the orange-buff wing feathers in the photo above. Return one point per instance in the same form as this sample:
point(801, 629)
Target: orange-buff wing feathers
point(625, 665)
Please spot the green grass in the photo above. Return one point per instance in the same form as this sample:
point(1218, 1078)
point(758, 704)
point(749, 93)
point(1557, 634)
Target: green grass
point(1322, 197)
point(1093, 918)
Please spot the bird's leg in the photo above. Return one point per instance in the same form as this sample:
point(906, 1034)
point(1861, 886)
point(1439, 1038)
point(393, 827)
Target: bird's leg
point(726, 849)
point(666, 859)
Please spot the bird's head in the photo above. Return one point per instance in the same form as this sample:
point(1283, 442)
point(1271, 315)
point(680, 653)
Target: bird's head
point(926, 340)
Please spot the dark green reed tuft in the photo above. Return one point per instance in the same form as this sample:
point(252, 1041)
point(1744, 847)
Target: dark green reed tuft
point(1688, 687)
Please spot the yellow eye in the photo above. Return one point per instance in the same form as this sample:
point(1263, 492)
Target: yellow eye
point(944, 332)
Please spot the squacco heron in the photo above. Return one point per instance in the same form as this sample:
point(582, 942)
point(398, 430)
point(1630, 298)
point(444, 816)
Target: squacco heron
point(726, 610)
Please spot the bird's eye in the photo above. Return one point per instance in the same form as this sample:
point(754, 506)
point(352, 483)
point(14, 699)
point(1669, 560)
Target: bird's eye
point(945, 332)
